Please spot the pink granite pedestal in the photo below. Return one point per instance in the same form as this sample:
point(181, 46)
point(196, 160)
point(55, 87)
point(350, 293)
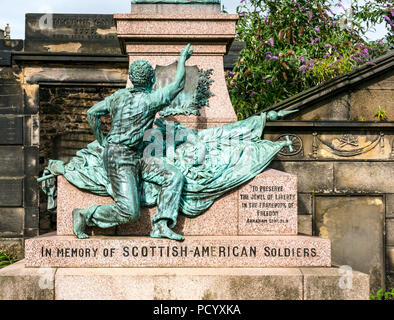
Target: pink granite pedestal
point(207, 251)
point(251, 209)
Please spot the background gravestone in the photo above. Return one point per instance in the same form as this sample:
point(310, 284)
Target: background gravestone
point(72, 33)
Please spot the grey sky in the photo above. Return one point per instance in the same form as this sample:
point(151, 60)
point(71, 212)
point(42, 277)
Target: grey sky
point(13, 11)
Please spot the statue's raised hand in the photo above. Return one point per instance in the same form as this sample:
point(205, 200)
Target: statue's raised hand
point(187, 52)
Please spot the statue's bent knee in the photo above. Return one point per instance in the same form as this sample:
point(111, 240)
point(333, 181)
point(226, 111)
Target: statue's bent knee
point(128, 212)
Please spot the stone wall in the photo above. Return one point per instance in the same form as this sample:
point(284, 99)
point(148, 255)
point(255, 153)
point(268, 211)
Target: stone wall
point(18, 162)
point(64, 127)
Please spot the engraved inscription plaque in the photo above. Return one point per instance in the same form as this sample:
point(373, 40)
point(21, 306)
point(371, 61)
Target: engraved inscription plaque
point(268, 205)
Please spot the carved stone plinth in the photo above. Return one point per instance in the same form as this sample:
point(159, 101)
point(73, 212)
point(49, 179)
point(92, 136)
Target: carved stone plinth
point(159, 38)
point(207, 251)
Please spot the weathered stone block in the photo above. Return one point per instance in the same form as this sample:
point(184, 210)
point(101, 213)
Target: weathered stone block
point(364, 177)
point(390, 232)
point(31, 159)
point(31, 130)
point(304, 203)
point(32, 218)
point(366, 102)
point(312, 176)
point(11, 192)
point(305, 224)
point(332, 284)
point(20, 283)
point(11, 161)
point(76, 33)
point(11, 222)
point(390, 259)
point(31, 192)
point(389, 205)
point(179, 284)
point(11, 130)
point(31, 98)
point(355, 227)
point(11, 103)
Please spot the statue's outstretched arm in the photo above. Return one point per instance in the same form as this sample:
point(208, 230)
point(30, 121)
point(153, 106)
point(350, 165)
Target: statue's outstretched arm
point(273, 115)
point(94, 115)
point(179, 81)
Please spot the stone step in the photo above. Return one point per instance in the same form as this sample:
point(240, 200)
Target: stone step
point(196, 251)
point(266, 205)
point(18, 282)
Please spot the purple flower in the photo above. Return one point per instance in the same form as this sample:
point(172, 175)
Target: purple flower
point(327, 55)
point(381, 42)
point(334, 23)
point(297, 4)
point(242, 1)
point(310, 15)
point(317, 29)
point(341, 5)
point(253, 93)
point(266, 19)
point(303, 67)
point(369, 63)
point(327, 45)
point(268, 52)
point(354, 66)
point(229, 73)
point(281, 54)
point(317, 40)
point(302, 59)
point(271, 42)
point(268, 81)
point(274, 58)
point(312, 41)
point(388, 19)
point(292, 9)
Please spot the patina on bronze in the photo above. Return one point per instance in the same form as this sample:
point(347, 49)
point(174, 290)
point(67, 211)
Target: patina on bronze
point(132, 112)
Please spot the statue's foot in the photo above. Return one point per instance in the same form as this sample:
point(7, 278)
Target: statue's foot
point(79, 224)
point(161, 230)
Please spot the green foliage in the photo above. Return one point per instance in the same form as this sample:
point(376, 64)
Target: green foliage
point(381, 114)
point(380, 295)
point(294, 45)
point(6, 259)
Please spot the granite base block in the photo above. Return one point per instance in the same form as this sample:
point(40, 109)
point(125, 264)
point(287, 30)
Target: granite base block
point(335, 284)
point(18, 282)
point(214, 251)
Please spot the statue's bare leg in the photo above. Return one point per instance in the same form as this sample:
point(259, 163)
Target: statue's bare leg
point(79, 224)
point(162, 230)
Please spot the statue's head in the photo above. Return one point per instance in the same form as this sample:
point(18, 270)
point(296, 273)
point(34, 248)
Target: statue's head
point(272, 116)
point(142, 75)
